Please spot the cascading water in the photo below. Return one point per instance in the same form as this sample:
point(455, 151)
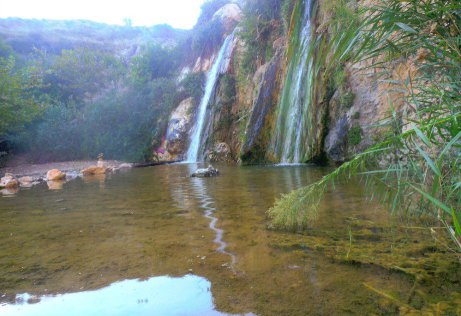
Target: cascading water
point(198, 134)
point(289, 141)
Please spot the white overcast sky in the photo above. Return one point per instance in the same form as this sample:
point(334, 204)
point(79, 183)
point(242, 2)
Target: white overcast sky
point(178, 13)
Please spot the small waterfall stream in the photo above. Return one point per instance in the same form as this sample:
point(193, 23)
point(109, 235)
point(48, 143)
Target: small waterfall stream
point(289, 141)
point(198, 135)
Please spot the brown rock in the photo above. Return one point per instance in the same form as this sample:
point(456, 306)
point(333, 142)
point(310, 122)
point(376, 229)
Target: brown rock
point(8, 181)
point(25, 180)
point(55, 175)
point(12, 184)
point(220, 153)
point(229, 15)
point(94, 170)
point(178, 127)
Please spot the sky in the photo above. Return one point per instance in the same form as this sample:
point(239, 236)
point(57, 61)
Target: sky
point(178, 13)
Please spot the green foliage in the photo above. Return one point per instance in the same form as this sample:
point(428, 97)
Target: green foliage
point(192, 84)
point(228, 89)
point(417, 171)
point(354, 136)
point(346, 99)
point(80, 74)
point(339, 78)
point(257, 27)
point(207, 37)
point(286, 12)
point(156, 62)
point(5, 50)
point(208, 9)
point(18, 106)
point(122, 124)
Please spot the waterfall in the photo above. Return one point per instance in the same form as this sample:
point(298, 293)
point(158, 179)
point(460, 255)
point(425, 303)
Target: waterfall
point(198, 135)
point(290, 138)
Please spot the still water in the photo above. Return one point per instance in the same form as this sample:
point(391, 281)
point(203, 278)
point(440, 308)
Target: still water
point(154, 241)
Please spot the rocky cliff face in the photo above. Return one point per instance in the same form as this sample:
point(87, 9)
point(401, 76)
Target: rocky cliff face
point(340, 120)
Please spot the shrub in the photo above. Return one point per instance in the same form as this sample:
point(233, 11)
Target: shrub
point(354, 136)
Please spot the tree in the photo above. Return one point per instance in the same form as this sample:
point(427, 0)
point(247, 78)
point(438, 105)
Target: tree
point(79, 74)
point(18, 106)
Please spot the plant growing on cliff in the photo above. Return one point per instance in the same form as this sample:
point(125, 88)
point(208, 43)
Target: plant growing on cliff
point(417, 168)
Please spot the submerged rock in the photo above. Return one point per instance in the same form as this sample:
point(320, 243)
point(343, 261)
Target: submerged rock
point(94, 170)
point(55, 175)
point(206, 172)
point(27, 182)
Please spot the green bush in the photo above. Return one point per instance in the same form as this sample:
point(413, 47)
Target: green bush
point(228, 89)
point(347, 99)
point(192, 85)
point(354, 136)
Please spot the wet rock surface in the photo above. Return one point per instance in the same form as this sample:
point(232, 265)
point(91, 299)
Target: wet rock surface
point(220, 153)
point(9, 182)
point(95, 170)
point(55, 175)
point(205, 172)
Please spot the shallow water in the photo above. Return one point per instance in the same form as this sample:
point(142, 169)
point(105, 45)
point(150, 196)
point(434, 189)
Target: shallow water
point(155, 241)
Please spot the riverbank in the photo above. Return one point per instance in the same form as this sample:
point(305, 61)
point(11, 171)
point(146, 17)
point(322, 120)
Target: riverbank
point(19, 174)
point(40, 170)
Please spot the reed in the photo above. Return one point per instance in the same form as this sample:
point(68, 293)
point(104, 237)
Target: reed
point(417, 169)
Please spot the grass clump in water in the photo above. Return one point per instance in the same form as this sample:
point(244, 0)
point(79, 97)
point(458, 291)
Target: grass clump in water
point(416, 169)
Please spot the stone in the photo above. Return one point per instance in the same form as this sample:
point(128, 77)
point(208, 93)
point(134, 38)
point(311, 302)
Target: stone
point(178, 126)
point(12, 184)
point(25, 179)
point(336, 140)
point(206, 172)
point(9, 182)
point(95, 170)
point(220, 153)
point(230, 15)
point(55, 175)
point(26, 182)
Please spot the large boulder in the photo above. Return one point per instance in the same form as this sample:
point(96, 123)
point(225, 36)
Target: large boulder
point(55, 175)
point(95, 170)
point(206, 172)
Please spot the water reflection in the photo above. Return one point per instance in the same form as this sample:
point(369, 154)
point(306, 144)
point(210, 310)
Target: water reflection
point(55, 185)
point(207, 204)
point(189, 295)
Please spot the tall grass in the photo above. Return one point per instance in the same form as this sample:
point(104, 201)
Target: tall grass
point(417, 168)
